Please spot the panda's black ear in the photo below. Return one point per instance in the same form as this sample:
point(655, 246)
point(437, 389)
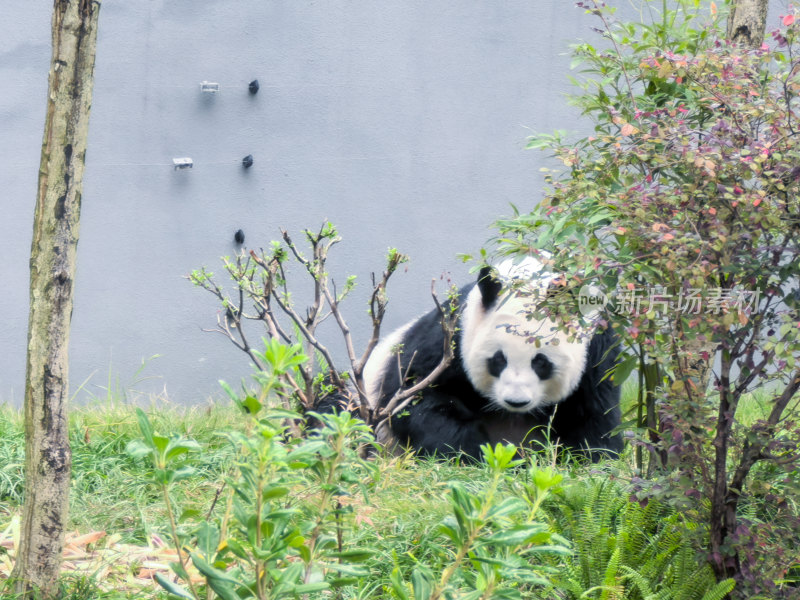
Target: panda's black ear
point(489, 286)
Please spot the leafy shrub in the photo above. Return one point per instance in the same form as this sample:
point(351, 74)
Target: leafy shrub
point(290, 502)
point(287, 524)
point(684, 206)
point(267, 544)
point(262, 294)
point(497, 545)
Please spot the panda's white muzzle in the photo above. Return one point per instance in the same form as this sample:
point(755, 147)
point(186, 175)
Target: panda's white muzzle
point(518, 390)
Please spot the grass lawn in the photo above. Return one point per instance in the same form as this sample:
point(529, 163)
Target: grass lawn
point(120, 536)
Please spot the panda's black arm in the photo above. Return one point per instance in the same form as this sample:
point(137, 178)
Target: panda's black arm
point(587, 418)
point(588, 432)
point(440, 425)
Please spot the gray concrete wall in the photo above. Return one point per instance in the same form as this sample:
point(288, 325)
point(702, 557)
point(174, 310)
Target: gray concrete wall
point(402, 122)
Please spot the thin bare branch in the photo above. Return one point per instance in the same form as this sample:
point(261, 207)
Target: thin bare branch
point(403, 397)
point(308, 335)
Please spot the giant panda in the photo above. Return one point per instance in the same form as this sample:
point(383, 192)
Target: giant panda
point(511, 379)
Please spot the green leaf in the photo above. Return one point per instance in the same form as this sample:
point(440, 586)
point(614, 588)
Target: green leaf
point(351, 570)
point(308, 588)
point(183, 473)
point(422, 582)
point(210, 572)
point(137, 449)
point(517, 535)
point(250, 405)
point(508, 506)
point(353, 555)
point(179, 570)
point(160, 443)
point(623, 369)
point(310, 447)
point(275, 492)
point(229, 391)
point(145, 427)
point(283, 358)
point(173, 588)
point(223, 589)
point(296, 541)
point(501, 457)
point(305, 553)
point(343, 581)
point(611, 574)
point(180, 447)
point(237, 549)
point(207, 538)
point(720, 591)
point(399, 586)
point(450, 528)
point(547, 478)
point(189, 514)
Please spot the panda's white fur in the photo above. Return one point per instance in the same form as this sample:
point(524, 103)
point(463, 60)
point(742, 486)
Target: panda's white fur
point(518, 388)
point(383, 357)
point(509, 330)
point(469, 404)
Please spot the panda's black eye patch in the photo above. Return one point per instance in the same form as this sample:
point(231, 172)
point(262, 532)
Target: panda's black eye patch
point(497, 363)
point(542, 366)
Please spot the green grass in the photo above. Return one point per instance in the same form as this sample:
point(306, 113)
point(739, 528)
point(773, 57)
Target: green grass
point(400, 518)
point(109, 489)
point(80, 587)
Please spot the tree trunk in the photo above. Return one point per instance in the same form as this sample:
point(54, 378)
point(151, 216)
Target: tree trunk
point(52, 267)
point(747, 22)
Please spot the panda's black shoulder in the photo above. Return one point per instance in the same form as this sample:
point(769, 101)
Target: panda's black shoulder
point(422, 348)
point(426, 337)
point(588, 416)
point(601, 356)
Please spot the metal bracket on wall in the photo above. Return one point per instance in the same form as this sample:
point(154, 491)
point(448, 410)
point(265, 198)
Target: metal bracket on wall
point(182, 163)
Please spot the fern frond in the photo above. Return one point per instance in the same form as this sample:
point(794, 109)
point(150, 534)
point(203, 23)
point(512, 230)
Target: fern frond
point(720, 591)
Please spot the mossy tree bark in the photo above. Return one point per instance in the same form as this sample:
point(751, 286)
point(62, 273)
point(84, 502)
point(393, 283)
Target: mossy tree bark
point(747, 22)
point(52, 268)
